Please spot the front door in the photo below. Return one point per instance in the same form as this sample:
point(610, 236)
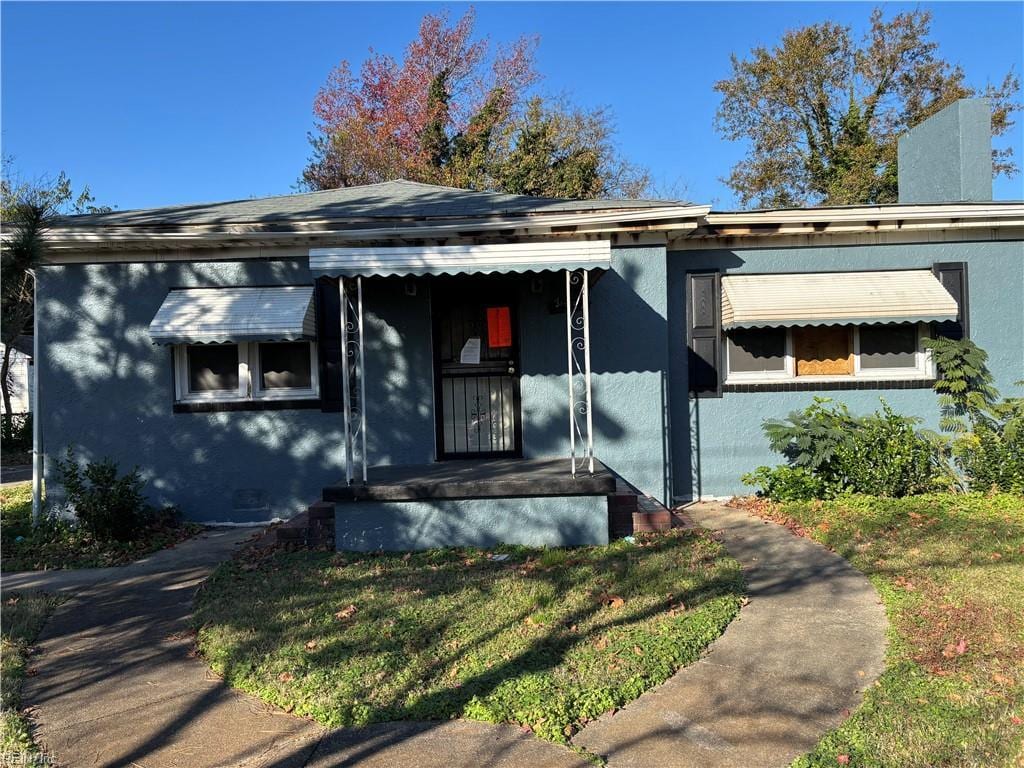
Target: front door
point(476, 368)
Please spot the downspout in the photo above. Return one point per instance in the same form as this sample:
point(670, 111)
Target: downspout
point(37, 456)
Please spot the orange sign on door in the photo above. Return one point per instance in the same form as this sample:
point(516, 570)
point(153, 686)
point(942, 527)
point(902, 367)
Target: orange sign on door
point(499, 327)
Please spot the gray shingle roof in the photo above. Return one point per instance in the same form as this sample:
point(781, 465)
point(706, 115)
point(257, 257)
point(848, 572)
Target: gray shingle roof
point(388, 200)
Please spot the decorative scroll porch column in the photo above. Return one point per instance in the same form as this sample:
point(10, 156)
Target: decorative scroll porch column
point(577, 330)
point(353, 374)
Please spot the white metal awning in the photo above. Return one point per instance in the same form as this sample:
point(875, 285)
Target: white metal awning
point(218, 315)
point(460, 259)
point(834, 298)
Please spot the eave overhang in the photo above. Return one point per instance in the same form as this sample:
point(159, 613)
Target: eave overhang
point(674, 219)
point(858, 219)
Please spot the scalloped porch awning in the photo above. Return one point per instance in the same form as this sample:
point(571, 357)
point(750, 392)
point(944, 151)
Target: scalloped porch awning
point(459, 259)
point(834, 298)
point(220, 315)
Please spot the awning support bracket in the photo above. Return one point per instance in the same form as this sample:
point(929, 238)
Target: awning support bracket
point(577, 330)
point(353, 375)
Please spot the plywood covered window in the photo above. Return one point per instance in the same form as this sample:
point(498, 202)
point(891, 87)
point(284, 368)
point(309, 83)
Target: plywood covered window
point(823, 351)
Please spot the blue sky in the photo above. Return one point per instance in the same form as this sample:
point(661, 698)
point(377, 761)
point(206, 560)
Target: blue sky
point(162, 103)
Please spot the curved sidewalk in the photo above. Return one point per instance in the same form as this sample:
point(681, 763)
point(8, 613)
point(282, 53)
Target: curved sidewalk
point(116, 684)
point(799, 654)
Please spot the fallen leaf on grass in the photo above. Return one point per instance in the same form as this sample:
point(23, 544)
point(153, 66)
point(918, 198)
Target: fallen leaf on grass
point(311, 645)
point(610, 601)
point(951, 650)
point(601, 643)
point(844, 759)
point(345, 613)
point(286, 677)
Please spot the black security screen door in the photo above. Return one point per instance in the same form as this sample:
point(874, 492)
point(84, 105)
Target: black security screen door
point(476, 368)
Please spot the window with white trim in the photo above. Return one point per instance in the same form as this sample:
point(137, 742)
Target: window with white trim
point(827, 353)
point(278, 370)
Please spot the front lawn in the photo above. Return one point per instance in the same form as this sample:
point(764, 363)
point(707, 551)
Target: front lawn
point(546, 639)
point(21, 619)
point(950, 569)
point(57, 544)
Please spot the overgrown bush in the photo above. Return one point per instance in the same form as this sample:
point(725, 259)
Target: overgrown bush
point(786, 483)
point(988, 442)
point(887, 456)
point(831, 452)
point(991, 454)
point(109, 506)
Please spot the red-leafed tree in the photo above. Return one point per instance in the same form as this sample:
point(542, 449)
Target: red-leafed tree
point(454, 111)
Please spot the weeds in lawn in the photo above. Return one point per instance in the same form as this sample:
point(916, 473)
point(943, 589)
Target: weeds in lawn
point(950, 568)
point(21, 619)
point(547, 639)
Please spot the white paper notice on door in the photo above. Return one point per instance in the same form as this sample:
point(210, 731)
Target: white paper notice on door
point(470, 354)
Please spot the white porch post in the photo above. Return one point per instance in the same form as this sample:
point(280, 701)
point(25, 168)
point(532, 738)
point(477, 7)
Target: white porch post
point(345, 392)
point(353, 366)
point(362, 377)
point(577, 331)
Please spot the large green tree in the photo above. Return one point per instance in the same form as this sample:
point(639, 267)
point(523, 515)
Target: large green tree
point(821, 111)
point(455, 112)
point(26, 210)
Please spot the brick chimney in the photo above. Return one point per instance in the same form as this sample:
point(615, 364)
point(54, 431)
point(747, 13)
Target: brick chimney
point(948, 157)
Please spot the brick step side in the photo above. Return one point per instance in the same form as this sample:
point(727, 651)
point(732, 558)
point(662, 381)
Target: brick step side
point(621, 508)
point(652, 522)
point(321, 525)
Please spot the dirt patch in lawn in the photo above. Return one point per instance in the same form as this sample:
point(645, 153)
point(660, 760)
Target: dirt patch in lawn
point(950, 568)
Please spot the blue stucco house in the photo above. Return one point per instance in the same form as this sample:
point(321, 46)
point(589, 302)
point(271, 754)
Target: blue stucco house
point(437, 366)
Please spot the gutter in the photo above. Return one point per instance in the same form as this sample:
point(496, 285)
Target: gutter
point(667, 217)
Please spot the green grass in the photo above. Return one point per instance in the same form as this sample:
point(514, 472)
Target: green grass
point(547, 639)
point(950, 569)
point(55, 544)
point(21, 619)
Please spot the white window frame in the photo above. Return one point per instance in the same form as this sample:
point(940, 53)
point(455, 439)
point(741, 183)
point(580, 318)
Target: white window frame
point(284, 393)
point(788, 372)
point(248, 381)
point(923, 368)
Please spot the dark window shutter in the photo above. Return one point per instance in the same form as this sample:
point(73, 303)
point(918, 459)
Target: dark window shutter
point(953, 276)
point(328, 333)
point(704, 332)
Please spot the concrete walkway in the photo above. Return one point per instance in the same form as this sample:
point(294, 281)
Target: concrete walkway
point(799, 654)
point(116, 685)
